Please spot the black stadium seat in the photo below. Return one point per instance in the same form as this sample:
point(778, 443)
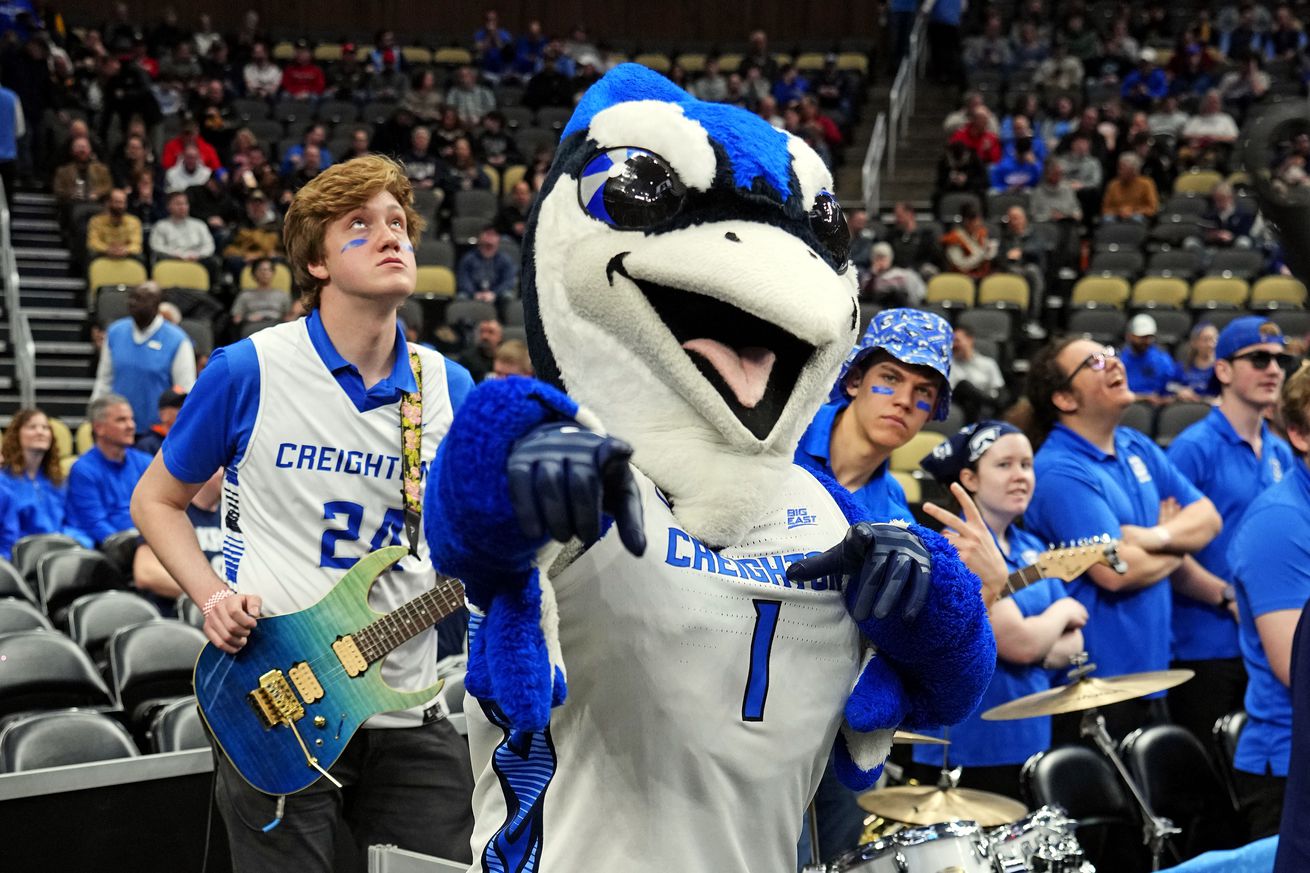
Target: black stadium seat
point(64, 576)
point(94, 618)
point(1176, 418)
point(29, 551)
point(152, 663)
point(45, 670)
point(1082, 781)
point(177, 726)
point(56, 739)
point(19, 615)
point(12, 584)
point(1180, 782)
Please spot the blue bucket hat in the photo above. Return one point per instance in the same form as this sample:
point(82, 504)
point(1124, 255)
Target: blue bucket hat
point(1249, 330)
point(912, 337)
point(947, 460)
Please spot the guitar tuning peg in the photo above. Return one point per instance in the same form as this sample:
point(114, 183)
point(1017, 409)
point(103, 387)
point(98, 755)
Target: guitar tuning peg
point(1050, 547)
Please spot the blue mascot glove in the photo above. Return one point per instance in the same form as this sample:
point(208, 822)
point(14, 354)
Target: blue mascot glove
point(563, 480)
point(884, 568)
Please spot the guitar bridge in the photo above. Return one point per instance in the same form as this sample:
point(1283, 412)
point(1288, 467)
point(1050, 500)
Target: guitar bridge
point(350, 656)
point(274, 701)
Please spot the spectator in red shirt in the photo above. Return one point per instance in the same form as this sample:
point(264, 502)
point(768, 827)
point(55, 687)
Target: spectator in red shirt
point(302, 77)
point(190, 135)
point(810, 114)
point(976, 135)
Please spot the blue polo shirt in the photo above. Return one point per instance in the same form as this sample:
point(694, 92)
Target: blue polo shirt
point(214, 426)
point(1151, 371)
point(32, 506)
point(882, 498)
point(1084, 492)
point(978, 743)
point(1224, 466)
point(1270, 560)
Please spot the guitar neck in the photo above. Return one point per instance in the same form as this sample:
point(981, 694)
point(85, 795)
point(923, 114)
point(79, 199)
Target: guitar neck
point(403, 624)
point(1020, 579)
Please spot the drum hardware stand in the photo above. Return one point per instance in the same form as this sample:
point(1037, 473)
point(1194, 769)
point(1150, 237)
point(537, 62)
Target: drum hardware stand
point(1156, 829)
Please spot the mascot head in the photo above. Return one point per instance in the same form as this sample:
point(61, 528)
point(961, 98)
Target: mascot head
point(686, 278)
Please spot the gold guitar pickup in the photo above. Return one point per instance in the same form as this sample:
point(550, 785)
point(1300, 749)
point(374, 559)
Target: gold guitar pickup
point(302, 676)
point(274, 701)
point(350, 656)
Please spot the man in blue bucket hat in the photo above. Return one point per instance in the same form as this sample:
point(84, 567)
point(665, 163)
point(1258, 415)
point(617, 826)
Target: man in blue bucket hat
point(895, 379)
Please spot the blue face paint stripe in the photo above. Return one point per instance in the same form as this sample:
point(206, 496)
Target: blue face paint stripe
point(354, 244)
point(882, 389)
point(407, 247)
point(924, 405)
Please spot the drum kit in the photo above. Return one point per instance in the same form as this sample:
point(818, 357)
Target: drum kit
point(960, 830)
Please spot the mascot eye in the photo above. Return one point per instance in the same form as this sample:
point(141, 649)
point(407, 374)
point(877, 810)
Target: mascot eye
point(630, 189)
point(829, 224)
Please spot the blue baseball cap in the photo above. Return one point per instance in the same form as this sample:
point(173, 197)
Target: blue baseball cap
point(1249, 330)
point(946, 461)
point(912, 337)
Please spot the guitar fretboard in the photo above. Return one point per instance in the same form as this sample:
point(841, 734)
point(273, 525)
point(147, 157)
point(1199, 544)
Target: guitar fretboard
point(396, 627)
point(1021, 579)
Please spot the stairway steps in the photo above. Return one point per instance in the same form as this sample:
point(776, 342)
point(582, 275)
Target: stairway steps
point(65, 384)
point(70, 348)
point(41, 253)
point(42, 224)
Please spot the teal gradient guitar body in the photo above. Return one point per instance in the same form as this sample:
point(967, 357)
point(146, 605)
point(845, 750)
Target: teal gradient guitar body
point(290, 700)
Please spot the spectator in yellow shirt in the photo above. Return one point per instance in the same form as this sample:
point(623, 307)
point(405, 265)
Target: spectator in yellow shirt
point(1130, 196)
point(114, 232)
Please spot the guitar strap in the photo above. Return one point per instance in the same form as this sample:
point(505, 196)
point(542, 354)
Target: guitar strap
point(411, 454)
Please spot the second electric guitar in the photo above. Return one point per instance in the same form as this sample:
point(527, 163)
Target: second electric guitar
point(284, 707)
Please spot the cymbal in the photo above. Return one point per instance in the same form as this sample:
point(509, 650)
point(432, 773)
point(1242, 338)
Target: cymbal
point(1088, 693)
point(909, 738)
point(928, 804)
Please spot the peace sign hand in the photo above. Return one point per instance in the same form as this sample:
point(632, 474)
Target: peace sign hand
point(974, 542)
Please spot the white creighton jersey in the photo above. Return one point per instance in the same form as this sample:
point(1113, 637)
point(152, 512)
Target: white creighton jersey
point(318, 487)
point(704, 694)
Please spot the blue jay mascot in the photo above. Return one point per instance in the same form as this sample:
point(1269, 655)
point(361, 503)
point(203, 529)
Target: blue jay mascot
point(727, 617)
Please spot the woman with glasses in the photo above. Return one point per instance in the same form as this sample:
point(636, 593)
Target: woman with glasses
point(1036, 629)
point(1093, 478)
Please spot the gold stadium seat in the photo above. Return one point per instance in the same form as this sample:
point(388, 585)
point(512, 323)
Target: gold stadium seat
point(1219, 291)
point(729, 62)
point(63, 436)
point(328, 52)
point(284, 51)
point(856, 61)
point(1100, 291)
point(1160, 291)
point(906, 459)
point(910, 485)
point(281, 277)
point(435, 281)
point(452, 56)
point(1007, 290)
point(84, 439)
point(692, 62)
point(952, 290)
point(808, 62)
point(362, 52)
point(1277, 292)
point(172, 273)
point(657, 61)
point(113, 271)
point(510, 177)
point(416, 54)
point(1200, 182)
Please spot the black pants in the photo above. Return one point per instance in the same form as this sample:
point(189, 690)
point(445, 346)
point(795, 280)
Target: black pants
point(1260, 801)
point(411, 787)
point(1218, 688)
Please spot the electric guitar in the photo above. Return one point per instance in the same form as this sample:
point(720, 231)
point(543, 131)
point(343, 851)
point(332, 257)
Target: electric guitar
point(284, 707)
point(1067, 563)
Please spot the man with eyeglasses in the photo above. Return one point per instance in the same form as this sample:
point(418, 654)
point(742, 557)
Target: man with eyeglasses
point(1232, 456)
point(1095, 477)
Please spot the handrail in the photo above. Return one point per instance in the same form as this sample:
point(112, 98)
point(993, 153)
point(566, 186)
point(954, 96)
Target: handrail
point(20, 331)
point(871, 176)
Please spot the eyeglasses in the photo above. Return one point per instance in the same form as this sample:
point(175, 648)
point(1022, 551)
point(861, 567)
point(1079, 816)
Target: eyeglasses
point(1096, 362)
point(1260, 359)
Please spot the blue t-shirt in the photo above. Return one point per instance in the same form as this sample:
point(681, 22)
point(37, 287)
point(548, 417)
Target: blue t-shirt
point(978, 743)
point(214, 427)
point(1270, 561)
point(1152, 371)
point(1083, 492)
point(100, 492)
point(1222, 464)
point(1198, 379)
point(882, 498)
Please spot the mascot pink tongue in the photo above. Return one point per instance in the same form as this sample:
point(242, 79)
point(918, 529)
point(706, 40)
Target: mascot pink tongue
point(746, 371)
point(663, 661)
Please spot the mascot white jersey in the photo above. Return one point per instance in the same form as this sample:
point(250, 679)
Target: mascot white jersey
point(661, 692)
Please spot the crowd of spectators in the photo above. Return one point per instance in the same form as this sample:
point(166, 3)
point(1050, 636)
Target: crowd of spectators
point(170, 140)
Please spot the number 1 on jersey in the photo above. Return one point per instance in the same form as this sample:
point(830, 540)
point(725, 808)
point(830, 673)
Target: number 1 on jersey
point(757, 677)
